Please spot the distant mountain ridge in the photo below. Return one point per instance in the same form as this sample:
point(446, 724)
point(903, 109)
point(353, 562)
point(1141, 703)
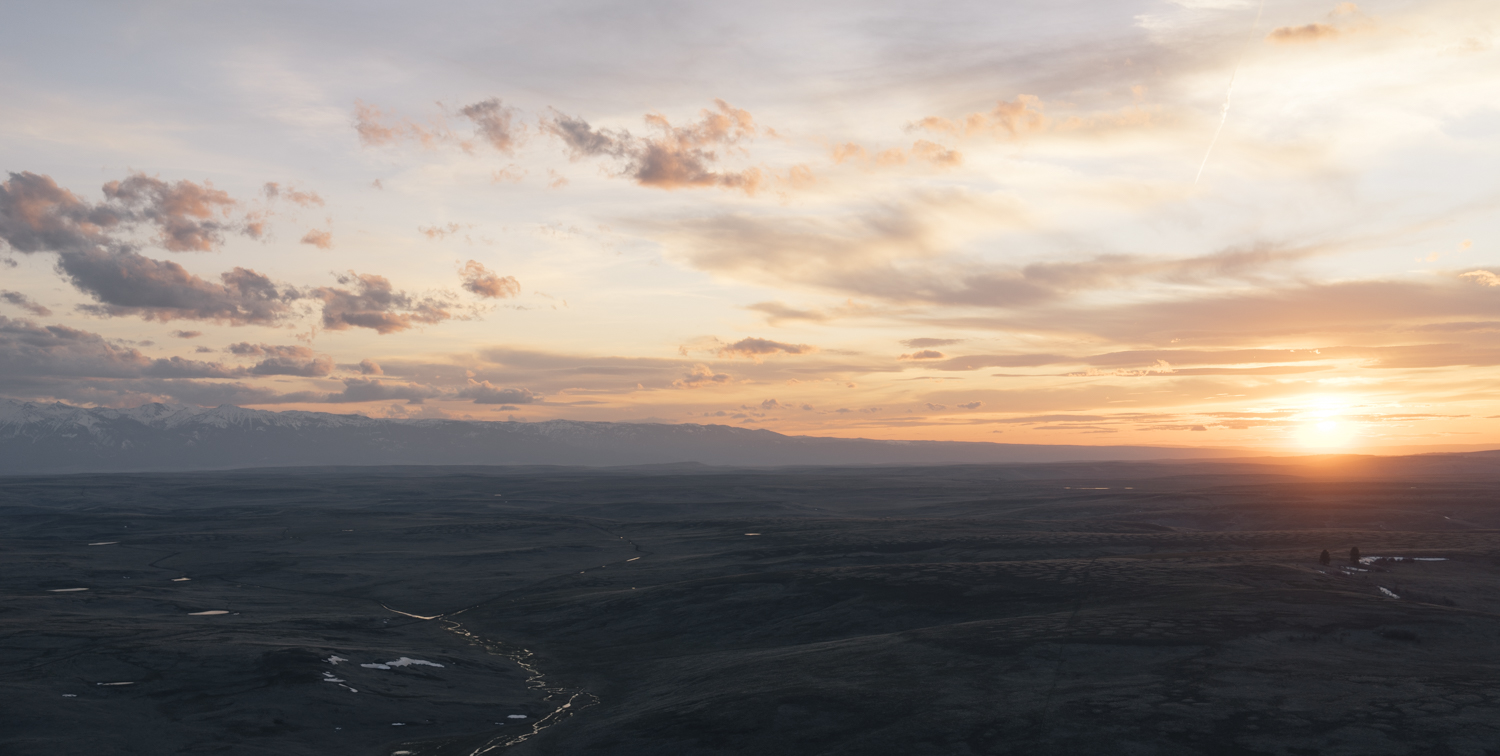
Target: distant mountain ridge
point(55, 438)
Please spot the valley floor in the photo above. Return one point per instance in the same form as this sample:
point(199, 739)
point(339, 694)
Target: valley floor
point(1174, 608)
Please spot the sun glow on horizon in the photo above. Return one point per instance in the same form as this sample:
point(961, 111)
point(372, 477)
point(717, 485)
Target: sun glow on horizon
point(1325, 424)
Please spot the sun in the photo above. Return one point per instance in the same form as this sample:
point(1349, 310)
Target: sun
point(1324, 424)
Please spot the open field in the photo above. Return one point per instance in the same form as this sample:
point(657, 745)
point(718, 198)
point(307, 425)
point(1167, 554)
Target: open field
point(1123, 608)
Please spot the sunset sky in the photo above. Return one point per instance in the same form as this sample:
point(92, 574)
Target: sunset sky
point(1173, 222)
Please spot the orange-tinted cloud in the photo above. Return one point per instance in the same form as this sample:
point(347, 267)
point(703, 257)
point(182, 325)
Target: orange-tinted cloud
point(1300, 34)
point(183, 211)
point(493, 125)
point(849, 152)
point(1482, 277)
point(673, 157)
point(274, 191)
point(486, 283)
point(492, 122)
point(922, 149)
point(1013, 119)
point(438, 233)
point(1025, 116)
point(1317, 32)
point(936, 154)
point(318, 238)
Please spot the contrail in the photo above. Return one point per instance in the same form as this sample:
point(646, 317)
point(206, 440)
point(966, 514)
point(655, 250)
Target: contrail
point(1224, 114)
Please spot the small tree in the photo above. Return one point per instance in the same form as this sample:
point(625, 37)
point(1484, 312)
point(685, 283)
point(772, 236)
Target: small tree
point(1354, 555)
point(1324, 558)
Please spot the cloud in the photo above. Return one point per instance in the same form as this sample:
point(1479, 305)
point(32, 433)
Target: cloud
point(182, 211)
point(1300, 34)
point(483, 392)
point(24, 302)
point(1318, 32)
point(925, 354)
point(285, 360)
point(492, 121)
point(1011, 119)
point(919, 252)
point(777, 312)
point(373, 130)
point(1482, 277)
point(36, 215)
point(1025, 117)
point(487, 284)
point(701, 375)
point(35, 356)
point(671, 157)
point(187, 334)
point(126, 283)
point(370, 367)
point(274, 191)
point(372, 303)
point(79, 366)
point(922, 149)
point(318, 238)
point(493, 125)
point(1355, 306)
point(926, 342)
point(936, 407)
point(438, 233)
point(366, 390)
point(757, 348)
point(971, 405)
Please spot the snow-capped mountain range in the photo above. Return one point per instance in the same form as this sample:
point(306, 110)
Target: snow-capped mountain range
point(52, 438)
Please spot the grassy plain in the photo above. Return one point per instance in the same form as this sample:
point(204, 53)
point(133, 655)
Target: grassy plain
point(1121, 608)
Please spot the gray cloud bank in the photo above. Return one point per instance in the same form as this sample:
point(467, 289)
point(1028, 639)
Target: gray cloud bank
point(96, 253)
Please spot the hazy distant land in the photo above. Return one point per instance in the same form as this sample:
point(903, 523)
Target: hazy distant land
point(37, 438)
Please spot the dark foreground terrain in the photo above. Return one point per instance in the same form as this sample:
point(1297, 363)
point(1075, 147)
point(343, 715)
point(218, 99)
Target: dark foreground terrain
point(1103, 608)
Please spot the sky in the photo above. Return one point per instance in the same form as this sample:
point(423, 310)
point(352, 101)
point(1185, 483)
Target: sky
point(1170, 222)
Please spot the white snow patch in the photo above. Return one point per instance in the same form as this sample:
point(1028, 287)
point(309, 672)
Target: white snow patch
point(1374, 559)
point(374, 666)
point(1387, 592)
point(407, 662)
point(207, 613)
point(70, 695)
point(66, 590)
point(180, 580)
point(516, 716)
point(335, 659)
point(104, 543)
point(752, 534)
